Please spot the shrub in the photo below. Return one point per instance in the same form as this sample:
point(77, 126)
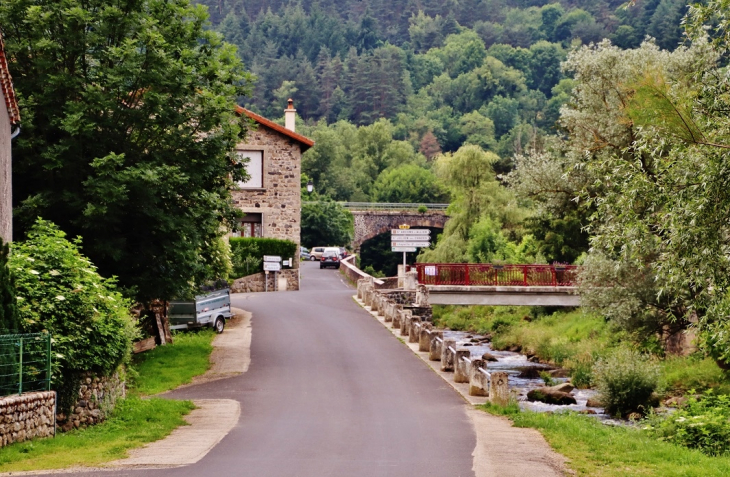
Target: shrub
point(625, 380)
point(247, 253)
point(60, 292)
point(8, 307)
point(702, 424)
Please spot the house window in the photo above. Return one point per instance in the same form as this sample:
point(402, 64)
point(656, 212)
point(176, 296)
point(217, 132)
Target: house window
point(251, 226)
point(255, 169)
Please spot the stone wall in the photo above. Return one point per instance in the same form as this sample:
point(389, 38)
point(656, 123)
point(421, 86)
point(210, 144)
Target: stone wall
point(255, 283)
point(97, 398)
point(27, 416)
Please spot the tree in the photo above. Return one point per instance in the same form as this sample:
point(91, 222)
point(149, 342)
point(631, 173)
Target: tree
point(408, 183)
point(128, 133)
point(325, 222)
point(8, 306)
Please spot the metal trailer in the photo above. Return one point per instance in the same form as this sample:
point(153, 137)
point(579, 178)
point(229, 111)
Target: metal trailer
point(211, 309)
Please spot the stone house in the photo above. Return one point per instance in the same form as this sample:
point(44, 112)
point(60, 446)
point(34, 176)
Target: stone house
point(271, 198)
point(9, 128)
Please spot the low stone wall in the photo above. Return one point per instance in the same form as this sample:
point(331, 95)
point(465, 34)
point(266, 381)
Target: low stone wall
point(255, 283)
point(27, 416)
point(414, 322)
point(97, 398)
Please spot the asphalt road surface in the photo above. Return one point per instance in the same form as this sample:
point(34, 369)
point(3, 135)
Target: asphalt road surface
point(331, 392)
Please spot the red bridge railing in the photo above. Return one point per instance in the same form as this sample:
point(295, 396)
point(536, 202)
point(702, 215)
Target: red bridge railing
point(486, 274)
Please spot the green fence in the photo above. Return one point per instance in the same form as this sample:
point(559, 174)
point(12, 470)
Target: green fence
point(25, 363)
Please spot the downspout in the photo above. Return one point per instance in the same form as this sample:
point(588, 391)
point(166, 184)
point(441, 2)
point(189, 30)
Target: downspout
point(15, 133)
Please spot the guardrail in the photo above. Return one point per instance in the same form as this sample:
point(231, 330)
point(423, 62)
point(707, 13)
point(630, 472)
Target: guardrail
point(486, 274)
point(385, 205)
point(25, 363)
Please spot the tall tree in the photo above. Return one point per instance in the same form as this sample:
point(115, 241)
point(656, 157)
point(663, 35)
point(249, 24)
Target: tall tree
point(128, 133)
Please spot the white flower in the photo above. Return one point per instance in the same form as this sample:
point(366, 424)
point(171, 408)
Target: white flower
point(54, 273)
point(60, 297)
point(35, 272)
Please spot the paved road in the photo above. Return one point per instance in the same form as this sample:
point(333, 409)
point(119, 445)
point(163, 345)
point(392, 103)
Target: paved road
point(330, 392)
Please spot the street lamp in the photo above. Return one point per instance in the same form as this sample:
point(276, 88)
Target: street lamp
point(310, 186)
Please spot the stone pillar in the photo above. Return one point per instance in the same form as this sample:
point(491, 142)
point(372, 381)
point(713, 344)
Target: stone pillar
point(422, 296)
point(499, 388)
point(478, 381)
point(411, 281)
point(424, 337)
point(389, 311)
point(396, 318)
point(447, 356)
point(434, 351)
point(405, 314)
point(415, 329)
point(461, 367)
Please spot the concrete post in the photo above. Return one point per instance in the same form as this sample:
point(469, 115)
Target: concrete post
point(499, 388)
point(461, 367)
point(447, 356)
point(405, 315)
point(415, 329)
point(359, 289)
point(424, 336)
point(478, 381)
point(422, 296)
point(434, 350)
point(388, 316)
point(397, 318)
point(411, 281)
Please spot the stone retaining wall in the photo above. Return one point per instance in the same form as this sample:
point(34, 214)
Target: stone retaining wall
point(255, 283)
point(27, 416)
point(97, 398)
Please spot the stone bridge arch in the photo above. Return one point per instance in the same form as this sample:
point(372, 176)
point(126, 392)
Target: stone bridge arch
point(371, 223)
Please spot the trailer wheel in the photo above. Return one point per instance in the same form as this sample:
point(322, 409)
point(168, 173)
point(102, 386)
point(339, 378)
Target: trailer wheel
point(220, 323)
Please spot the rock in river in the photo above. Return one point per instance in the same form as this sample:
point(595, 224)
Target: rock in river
point(550, 396)
point(489, 357)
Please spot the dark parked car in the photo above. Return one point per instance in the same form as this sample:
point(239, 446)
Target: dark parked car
point(303, 253)
point(343, 253)
point(329, 258)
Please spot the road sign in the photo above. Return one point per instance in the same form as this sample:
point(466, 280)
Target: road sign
point(410, 238)
point(272, 258)
point(403, 249)
point(410, 232)
point(272, 266)
point(409, 244)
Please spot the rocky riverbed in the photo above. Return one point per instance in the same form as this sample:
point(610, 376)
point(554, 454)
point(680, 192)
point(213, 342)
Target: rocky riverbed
point(524, 375)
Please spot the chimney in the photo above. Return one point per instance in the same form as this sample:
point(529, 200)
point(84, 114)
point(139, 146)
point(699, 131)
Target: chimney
point(290, 115)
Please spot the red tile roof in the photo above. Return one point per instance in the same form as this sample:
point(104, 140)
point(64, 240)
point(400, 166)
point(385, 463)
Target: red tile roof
point(6, 85)
point(304, 141)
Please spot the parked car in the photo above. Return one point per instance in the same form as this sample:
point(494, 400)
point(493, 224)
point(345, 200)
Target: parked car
point(316, 253)
point(343, 253)
point(330, 258)
point(304, 253)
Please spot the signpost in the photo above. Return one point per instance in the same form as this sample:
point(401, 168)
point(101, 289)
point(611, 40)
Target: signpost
point(405, 239)
point(272, 263)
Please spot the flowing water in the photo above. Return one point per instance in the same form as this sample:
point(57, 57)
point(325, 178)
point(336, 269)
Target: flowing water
point(523, 374)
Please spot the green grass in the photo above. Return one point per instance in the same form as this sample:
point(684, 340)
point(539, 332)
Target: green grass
point(133, 423)
point(167, 367)
point(683, 374)
point(598, 450)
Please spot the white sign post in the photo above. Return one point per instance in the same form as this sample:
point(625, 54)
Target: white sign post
point(406, 239)
point(272, 263)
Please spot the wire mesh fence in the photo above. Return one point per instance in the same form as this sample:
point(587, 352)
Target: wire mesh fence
point(25, 363)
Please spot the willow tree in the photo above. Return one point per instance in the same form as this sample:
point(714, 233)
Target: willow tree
point(127, 134)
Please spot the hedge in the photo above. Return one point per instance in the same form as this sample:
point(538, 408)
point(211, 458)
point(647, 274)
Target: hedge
point(247, 253)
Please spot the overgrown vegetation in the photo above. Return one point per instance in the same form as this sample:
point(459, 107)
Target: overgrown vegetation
point(625, 380)
point(133, 423)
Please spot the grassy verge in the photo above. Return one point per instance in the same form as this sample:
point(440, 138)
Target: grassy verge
point(573, 340)
point(599, 450)
point(133, 423)
point(167, 367)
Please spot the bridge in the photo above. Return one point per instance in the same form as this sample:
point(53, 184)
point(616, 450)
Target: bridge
point(489, 284)
point(375, 218)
